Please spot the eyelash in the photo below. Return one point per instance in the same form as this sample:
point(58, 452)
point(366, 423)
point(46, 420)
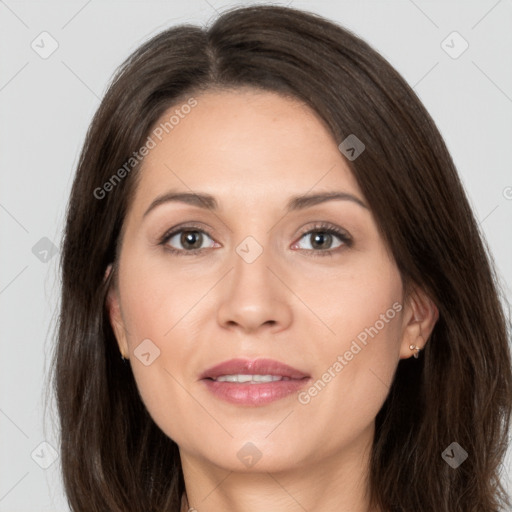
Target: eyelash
point(325, 228)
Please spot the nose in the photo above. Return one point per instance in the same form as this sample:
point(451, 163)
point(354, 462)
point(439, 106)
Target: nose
point(254, 296)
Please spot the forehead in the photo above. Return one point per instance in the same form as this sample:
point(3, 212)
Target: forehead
point(254, 145)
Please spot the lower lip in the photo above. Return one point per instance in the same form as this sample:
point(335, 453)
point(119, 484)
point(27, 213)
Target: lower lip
point(254, 394)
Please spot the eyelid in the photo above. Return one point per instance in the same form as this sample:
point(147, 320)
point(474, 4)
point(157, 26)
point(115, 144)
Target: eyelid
point(184, 226)
point(326, 227)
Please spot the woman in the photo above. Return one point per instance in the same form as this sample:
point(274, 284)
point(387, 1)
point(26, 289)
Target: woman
point(268, 365)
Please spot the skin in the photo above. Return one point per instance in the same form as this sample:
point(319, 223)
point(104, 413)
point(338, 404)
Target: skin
point(253, 150)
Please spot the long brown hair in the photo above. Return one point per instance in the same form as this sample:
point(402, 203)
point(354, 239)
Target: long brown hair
point(114, 457)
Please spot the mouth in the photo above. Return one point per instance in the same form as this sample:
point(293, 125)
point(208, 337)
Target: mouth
point(253, 382)
point(249, 378)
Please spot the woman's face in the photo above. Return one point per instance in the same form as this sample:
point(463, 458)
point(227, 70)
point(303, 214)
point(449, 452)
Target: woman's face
point(270, 281)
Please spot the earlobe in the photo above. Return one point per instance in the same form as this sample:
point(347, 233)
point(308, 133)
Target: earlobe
point(113, 307)
point(420, 317)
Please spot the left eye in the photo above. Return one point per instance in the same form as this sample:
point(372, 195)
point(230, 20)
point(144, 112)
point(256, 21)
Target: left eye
point(323, 239)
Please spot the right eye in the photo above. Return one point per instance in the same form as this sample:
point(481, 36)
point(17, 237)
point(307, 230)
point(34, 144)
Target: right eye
point(190, 238)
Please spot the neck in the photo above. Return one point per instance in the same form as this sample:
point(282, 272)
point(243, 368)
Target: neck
point(336, 484)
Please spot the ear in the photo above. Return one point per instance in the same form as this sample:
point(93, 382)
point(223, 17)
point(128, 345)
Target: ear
point(115, 315)
point(419, 319)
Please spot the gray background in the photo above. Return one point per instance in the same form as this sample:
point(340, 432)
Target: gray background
point(47, 104)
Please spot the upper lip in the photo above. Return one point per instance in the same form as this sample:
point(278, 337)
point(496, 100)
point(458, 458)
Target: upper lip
point(252, 367)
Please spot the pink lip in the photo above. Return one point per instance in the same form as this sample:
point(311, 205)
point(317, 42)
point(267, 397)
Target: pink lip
point(253, 394)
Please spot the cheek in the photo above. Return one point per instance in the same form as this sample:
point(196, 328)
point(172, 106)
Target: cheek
point(357, 360)
point(159, 362)
point(364, 305)
point(352, 384)
point(159, 308)
point(156, 299)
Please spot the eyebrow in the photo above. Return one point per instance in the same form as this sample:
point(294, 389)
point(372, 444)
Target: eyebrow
point(296, 203)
